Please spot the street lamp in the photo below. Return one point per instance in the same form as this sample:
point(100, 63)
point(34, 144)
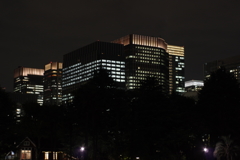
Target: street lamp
point(82, 152)
point(82, 149)
point(205, 150)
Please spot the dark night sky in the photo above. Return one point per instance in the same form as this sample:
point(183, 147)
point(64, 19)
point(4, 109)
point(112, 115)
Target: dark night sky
point(33, 33)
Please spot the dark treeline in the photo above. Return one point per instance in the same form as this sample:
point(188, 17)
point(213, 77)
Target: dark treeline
point(118, 125)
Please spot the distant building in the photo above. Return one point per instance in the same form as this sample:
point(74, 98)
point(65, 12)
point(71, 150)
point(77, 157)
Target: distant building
point(192, 88)
point(176, 69)
point(129, 60)
point(193, 85)
point(232, 64)
point(29, 81)
point(80, 65)
point(53, 83)
point(145, 56)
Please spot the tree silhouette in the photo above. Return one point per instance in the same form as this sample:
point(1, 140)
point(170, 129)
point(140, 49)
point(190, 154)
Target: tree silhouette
point(219, 105)
point(226, 149)
point(6, 123)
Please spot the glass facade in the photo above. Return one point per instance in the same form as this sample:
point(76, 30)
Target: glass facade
point(80, 66)
point(176, 69)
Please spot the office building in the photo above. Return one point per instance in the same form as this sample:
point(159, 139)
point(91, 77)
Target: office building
point(53, 83)
point(232, 64)
point(176, 69)
point(145, 56)
point(80, 65)
point(29, 81)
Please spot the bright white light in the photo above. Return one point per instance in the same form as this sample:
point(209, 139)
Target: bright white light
point(205, 149)
point(137, 157)
point(82, 148)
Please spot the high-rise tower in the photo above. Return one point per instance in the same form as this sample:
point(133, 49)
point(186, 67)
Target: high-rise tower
point(145, 56)
point(80, 65)
point(176, 69)
point(29, 81)
point(53, 83)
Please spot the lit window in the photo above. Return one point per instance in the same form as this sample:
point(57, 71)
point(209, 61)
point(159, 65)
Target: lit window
point(26, 153)
point(46, 156)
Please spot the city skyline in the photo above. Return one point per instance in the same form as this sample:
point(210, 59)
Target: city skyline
point(35, 33)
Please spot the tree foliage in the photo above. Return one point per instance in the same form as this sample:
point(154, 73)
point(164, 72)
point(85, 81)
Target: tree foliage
point(6, 123)
point(226, 149)
point(219, 104)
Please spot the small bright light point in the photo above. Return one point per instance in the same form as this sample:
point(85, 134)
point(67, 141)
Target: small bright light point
point(137, 158)
point(205, 149)
point(82, 148)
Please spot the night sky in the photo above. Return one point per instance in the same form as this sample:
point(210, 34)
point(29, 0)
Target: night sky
point(33, 33)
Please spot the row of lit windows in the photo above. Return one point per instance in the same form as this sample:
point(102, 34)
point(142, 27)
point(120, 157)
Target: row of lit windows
point(146, 75)
point(91, 63)
point(148, 55)
point(181, 77)
point(152, 62)
point(87, 70)
point(147, 58)
point(150, 72)
point(149, 48)
point(152, 52)
point(138, 84)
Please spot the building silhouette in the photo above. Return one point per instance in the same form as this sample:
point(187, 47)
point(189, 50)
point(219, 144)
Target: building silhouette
point(231, 64)
point(53, 83)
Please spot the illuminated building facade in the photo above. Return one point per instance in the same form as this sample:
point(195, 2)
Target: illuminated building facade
point(192, 88)
point(232, 64)
point(193, 85)
point(145, 56)
point(80, 65)
point(29, 81)
point(53, 83)
point(176, 69)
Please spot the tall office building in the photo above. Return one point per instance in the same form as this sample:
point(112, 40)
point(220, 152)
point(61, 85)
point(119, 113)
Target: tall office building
point(232, 64)
point(29, 81)
point(81, 65)
point(53, 83)
point(176, 69)
point(145, 56)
